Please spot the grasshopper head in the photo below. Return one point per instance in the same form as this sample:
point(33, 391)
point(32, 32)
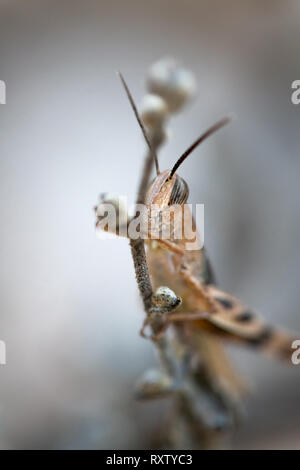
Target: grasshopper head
point(165, 201)
point(166, 190)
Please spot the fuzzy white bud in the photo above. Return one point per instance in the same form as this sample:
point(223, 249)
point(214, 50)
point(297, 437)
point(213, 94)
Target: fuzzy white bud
point(175, 84)
point(158, 135)
point(154, 110)
point(153, 383)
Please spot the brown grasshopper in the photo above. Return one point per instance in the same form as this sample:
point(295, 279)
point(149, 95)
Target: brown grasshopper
point(206, 313)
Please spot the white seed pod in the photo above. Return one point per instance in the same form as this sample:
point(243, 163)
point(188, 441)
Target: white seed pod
point(175, 84)
point(165, 298)
point(154, 110)
point(159, 135)
point(153, 383)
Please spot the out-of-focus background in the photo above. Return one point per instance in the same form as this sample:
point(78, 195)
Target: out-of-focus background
point(70, 311)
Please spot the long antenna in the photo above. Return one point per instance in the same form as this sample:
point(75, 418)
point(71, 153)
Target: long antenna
point(200, 139)
point(133, 105)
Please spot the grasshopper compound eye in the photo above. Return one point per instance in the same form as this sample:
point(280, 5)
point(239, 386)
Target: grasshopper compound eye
point(180, 192)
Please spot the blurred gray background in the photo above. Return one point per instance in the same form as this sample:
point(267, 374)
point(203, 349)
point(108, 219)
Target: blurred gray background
point(70, 311)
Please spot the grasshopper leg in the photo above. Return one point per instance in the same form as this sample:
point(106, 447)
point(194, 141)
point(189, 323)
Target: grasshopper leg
point(171, 247)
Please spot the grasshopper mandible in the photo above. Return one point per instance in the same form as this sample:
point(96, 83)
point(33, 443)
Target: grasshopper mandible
point(205, 310)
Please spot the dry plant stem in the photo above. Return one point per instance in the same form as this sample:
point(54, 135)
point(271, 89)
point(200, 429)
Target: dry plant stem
point(144, 183)
point(156, 141)
point(138, 246)
point(141, 268)
point(141, 272)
